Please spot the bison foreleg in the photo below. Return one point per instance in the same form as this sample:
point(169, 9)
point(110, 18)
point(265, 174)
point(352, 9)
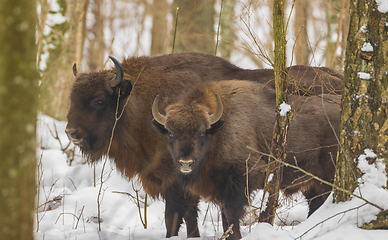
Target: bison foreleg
point(316, 195)
point(191, 216)
point(178, 206)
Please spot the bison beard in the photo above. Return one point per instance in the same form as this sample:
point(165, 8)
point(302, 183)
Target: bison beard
point(218, 173)
point(137, 148)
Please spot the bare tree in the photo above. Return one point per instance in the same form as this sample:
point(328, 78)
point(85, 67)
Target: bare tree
point(18, 112)
point(227, 30)
point(96, 48)
point(195, 30)
point(364, 107)
point(159, 27)
point(302, 48)
point(64, 45)
point(278, 145)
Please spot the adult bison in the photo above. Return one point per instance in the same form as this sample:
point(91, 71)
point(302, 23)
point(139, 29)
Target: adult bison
point(212, 130)
point(137, 148)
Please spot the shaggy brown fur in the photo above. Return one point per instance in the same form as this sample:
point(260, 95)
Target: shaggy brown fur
point(137, 148)
point(212, 158)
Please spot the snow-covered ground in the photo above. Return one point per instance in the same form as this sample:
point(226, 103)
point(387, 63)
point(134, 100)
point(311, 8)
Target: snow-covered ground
point(67, 207)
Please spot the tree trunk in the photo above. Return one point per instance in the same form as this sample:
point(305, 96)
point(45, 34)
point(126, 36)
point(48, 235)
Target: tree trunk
point(227, 23)
point(96, 42)
point(65, 46)
point(18, 112)
point(302, 49)
point(159, 28)
point(195, 30)
point(278, 146)
point(364, 106)
point(333, 20)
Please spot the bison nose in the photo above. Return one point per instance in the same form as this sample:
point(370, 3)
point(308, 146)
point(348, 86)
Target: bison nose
point(72, 135)
point(186, 165)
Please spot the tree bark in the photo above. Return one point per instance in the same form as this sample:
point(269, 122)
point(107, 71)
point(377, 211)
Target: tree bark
point(302, 49)
point(18, 112)
point(227, 23)
point(96, 43)
point(159, 28)
point(65, 46)
point(278, 146)
point(195, 30)
point(364, 106)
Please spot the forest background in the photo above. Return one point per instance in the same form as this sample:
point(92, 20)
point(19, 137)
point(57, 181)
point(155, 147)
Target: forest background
point(86, 32)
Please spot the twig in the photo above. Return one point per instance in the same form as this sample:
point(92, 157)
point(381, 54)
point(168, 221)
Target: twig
point(226, 234)
point(175, 29)
point(144, 222)
point(343, 212)
point(218, 28)
point(117, 118)
point(319, 179)
point(247, 195)
point(130, 195)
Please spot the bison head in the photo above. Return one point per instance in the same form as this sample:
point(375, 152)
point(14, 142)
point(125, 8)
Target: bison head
point(189, 128)
point(93, 102)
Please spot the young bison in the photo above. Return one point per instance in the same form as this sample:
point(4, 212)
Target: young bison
point(208, 132)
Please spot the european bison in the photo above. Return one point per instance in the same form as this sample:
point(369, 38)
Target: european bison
point(137, 148)
point(208, 132)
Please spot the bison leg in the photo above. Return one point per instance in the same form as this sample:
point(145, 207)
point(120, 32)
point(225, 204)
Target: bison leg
point(316, 195)
point(191, 216)
point(233, 210)
point(178, 206)
point(229, 217)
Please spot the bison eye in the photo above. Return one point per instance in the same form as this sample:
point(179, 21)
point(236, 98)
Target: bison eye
point(170, 135)
point(203, 134)
point(99, 103)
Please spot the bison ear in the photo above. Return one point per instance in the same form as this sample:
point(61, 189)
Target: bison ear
point(159, 126)
point(216, 126)
point(125, 88)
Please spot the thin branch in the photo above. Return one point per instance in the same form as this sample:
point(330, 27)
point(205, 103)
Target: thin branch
point(175, 29)
point(319, 223)
point(117, 118)
point(319, 179)
point(218, 28)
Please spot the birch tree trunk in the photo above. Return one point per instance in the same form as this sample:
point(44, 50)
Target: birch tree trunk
point(278, 146)
point(364, 107)
point(18, 112)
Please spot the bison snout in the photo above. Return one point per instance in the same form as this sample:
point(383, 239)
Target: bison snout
point(186, 165)
point(72, 134)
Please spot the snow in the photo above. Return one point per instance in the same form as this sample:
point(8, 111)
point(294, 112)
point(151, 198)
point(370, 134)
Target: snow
point(284, 108)
point(367, 47)
point(382, 5)
point(67, 205)
point(364, 75)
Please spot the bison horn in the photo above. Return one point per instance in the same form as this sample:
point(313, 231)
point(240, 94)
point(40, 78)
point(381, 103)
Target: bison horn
point(120, 73)
point(75, 72)
point(155, 112)
point(218, 113)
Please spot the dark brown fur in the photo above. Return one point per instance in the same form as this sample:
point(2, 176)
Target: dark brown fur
point(219, 151)
point(137, 148)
